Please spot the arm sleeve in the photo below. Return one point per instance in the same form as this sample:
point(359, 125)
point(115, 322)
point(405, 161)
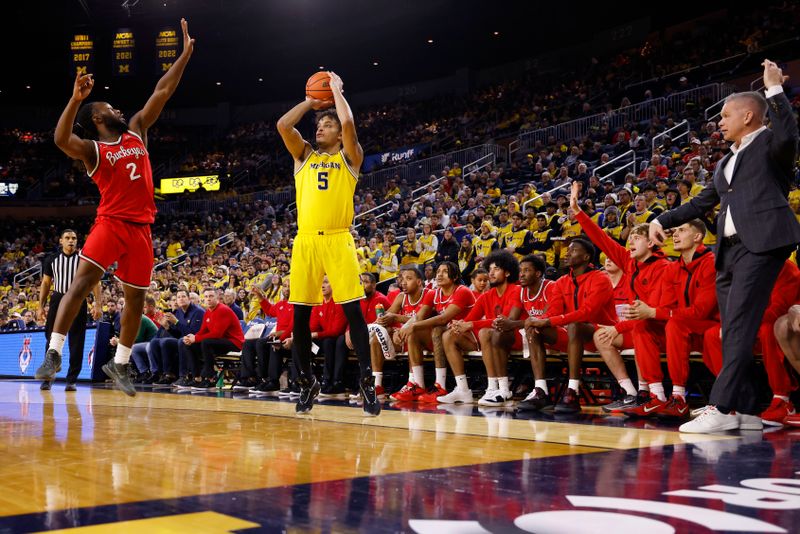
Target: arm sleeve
point(267, 307)
point(784, 129)
point(618, 254)
point(477, 312)
point(203, 330)
point(696, 208)
point(47, 266)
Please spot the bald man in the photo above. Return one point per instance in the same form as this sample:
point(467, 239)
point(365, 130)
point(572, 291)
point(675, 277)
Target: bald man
point(758, 232)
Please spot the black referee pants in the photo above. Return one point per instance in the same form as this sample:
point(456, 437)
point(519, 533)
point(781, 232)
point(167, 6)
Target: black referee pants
point(76, 335)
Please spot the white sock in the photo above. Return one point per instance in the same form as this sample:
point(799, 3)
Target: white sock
point(123, 355)
point(781, 397)
point(57, 342)
point(627, 385)
point(541, 383)
point(644, 386)
point(679, 391)
point(441, 375)
point(378, 378)
point(657, 389)
point(461, 383)
point(503, 381)
point(419, 376)
point(493, 385)
point(574, 384)
point(411, 376)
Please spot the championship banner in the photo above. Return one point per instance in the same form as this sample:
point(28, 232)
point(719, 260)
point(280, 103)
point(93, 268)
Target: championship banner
point(166, 49)
point(81, 49)
point(122, 50)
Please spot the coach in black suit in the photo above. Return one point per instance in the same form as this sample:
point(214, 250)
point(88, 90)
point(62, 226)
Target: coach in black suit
point(757, 232)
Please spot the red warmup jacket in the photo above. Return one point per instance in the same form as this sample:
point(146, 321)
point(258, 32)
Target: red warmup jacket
point(284, 313)
point(642, 277)
point(587, 298)
point(687, 291)
point(784, 294)
point(328, 320)
point(221, 323)
point(489, 305)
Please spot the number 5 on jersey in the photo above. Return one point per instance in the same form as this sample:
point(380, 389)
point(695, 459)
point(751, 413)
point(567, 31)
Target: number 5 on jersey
point(132, 167)
point(322, 180)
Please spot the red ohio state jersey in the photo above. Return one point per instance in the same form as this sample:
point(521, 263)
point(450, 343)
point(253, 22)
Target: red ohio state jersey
point(125, 180)
point(535, 305)
point(410, 309)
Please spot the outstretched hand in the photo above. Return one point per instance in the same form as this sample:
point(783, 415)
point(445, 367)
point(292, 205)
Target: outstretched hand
point(188, 42)
point(773, 75)
point(83, 86)
point(575, 192)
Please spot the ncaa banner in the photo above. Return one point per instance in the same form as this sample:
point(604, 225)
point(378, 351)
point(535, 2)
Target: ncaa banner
point(122, 52)
point(166, 49)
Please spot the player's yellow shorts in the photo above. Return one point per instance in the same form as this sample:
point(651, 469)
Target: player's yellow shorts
point(317, 253)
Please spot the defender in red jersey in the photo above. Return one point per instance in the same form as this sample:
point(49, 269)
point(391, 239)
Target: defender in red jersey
point(115, 155)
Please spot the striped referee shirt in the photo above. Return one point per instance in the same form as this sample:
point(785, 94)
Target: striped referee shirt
point(61, 268)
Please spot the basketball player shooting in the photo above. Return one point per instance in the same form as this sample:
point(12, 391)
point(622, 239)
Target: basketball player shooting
point(115, 155)
point(325, 179)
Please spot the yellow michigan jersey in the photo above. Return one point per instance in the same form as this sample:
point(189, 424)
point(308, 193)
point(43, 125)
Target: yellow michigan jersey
point(325, 185)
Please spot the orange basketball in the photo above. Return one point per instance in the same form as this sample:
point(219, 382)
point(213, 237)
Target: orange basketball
point(318, 86)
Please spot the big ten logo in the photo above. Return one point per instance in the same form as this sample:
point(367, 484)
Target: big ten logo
point(778, 494)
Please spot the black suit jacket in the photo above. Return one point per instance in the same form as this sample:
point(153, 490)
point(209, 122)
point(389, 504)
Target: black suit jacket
point(757, 194)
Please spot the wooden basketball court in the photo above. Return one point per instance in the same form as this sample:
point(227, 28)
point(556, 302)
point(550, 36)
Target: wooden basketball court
point(99, 461)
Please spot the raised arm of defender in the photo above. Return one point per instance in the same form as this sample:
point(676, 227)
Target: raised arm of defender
point(69, 143)
point(165, 87)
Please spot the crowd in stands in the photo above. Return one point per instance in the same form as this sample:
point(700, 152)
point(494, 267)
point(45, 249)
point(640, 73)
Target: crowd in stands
point(488, 114)
point(508, 237)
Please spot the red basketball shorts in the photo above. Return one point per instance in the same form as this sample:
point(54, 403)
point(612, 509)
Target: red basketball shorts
point(129, 244)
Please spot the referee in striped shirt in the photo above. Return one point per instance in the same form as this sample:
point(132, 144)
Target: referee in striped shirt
point(57, 274)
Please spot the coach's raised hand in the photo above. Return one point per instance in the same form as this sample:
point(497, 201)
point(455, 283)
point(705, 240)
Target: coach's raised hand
point(773, 75)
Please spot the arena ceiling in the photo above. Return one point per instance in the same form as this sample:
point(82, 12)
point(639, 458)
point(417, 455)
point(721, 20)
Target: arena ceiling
point(263, 50)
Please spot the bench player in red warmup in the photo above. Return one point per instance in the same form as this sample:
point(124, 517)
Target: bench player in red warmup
point(116, 158)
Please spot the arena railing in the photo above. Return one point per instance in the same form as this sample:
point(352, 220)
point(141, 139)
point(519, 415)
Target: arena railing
point(639, 112)
point(228, 238)
point(665, 133)
point(176, 261)
point(550, 192)
point(624, 166)
point(36, 270)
